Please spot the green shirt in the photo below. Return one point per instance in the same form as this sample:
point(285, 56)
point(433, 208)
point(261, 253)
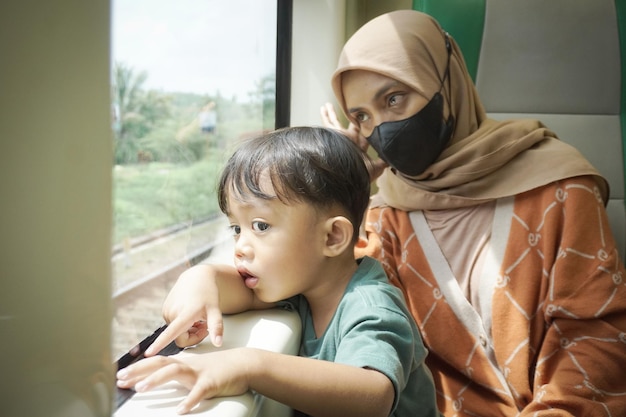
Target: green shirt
point(372, 328)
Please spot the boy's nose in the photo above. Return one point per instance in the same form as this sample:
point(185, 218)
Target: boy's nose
point(243, 250)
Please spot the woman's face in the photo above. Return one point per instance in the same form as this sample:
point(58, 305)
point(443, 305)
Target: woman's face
point(372, 99)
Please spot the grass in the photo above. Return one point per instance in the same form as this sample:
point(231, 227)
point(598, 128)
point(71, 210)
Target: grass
point(148, 197)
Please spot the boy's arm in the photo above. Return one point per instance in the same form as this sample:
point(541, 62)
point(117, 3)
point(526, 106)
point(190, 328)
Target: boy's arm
point(321, 388)
point(194, 306)
point(315, 387)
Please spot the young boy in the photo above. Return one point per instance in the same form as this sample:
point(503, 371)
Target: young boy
point(295, 199)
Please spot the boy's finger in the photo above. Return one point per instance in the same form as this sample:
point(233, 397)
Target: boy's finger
point(196, 395)
point(215, 325)
point(173, 330)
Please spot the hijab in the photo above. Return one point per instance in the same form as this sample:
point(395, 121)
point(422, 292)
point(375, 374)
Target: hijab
point(485, 159)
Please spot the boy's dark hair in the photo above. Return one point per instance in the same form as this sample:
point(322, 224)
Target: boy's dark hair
point(305, 164)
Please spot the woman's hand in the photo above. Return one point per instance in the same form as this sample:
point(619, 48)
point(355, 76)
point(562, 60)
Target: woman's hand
point(329, 119)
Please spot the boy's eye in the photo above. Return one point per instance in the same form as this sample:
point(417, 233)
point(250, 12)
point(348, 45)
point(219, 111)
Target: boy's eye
point(260, 226)
point(235, 230)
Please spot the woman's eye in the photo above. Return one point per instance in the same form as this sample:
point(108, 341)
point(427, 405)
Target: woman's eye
point(235, 230)
point(394, 100)
point(260, 226)
point(361, 117)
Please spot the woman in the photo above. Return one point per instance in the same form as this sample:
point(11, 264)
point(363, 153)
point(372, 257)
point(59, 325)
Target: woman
point(495, 231)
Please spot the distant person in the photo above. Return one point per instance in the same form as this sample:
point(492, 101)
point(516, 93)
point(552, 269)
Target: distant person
point(208, 118)
point(295, 199)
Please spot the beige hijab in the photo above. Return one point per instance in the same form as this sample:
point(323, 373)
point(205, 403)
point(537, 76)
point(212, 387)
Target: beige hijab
point(485, 159)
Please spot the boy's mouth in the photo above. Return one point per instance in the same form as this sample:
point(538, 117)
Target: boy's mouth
point(249, 280)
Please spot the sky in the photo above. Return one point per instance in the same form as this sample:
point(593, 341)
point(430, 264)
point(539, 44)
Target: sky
point(198, 46)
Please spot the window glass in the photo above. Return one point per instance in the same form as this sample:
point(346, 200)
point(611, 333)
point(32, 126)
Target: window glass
point(189, 79)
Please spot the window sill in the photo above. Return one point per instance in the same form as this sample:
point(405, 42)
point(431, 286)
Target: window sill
point(275, 330)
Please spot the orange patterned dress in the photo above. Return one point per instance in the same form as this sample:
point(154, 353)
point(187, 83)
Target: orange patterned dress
point(552, 338)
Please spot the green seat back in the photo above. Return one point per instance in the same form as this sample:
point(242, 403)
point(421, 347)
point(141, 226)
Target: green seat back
point(559, 61)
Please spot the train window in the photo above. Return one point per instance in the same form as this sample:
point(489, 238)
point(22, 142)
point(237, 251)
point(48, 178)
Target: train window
point(189, 79)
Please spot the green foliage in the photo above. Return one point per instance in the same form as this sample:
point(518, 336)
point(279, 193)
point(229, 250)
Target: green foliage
point(162, 146)
point(165, 167)
point(137, 112)
point(151, 126)
point(148, 197)
point(264, 101)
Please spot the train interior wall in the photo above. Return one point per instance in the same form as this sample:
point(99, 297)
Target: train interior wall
point(55, 187)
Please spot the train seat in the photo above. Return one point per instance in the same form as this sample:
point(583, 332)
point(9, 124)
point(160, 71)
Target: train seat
point(558, 61)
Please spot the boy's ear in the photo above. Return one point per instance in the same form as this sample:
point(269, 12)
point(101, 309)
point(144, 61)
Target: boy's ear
point(339, 233)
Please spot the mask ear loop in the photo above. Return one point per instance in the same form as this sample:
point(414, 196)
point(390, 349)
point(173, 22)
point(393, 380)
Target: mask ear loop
point(450, 120)
point(449, 49)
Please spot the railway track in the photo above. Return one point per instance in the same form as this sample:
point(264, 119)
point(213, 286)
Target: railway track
point(144, 274)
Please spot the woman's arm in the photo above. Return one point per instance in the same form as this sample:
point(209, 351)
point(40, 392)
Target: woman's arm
point(580, 356)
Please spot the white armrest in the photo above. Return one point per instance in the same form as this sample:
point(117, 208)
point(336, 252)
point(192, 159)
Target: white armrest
point(275, 330)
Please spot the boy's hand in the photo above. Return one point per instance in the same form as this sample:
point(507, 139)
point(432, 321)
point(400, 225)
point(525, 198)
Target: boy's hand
point(187, 332)
point(209, 375)
point(192, 311)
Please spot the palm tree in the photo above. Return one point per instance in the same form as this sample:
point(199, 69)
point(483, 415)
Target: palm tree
point(135, 111)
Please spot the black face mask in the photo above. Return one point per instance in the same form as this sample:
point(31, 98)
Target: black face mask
point(412, 145)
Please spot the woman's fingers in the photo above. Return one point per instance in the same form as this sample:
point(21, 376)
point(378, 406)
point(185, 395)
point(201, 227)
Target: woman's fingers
point(329, 116)
point(376, 169)
point(329, 119)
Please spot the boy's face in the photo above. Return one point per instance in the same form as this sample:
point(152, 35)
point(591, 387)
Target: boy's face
point(278, 247)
